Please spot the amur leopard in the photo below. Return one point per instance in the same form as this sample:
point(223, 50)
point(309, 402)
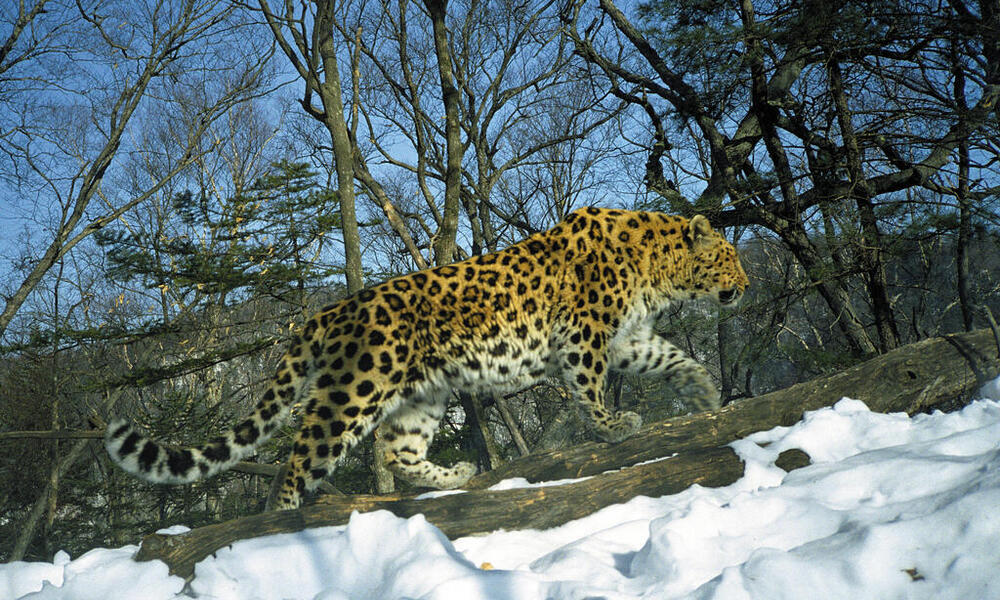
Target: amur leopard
point(570, 303)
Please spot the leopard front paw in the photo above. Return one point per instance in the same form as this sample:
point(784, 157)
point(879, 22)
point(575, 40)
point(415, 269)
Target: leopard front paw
point(697, 391)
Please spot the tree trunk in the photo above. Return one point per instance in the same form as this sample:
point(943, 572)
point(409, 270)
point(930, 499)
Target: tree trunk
point(726, 366)
point(870, 248)
point(385, 482)
point(475, 418)
point(964, 204)
point(794, 235)
point(444, 244)
point(515, 430)
point(333, 118)
point(918, 377)
point(527, 507)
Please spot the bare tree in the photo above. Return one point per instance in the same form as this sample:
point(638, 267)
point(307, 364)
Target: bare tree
point(81, 83)
point(512, 74)
point(101, 65)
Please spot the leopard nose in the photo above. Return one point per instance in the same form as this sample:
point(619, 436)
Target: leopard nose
point(729, 296)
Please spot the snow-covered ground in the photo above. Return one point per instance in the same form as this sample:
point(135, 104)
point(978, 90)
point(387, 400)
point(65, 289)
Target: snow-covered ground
point(893, 507)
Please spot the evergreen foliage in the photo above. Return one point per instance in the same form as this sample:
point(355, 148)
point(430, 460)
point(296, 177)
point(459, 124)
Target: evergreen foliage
point(267, 241)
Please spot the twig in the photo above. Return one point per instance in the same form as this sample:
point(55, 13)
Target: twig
point(55, 434)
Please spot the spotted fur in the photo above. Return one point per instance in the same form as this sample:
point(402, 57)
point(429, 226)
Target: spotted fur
point(572, 303)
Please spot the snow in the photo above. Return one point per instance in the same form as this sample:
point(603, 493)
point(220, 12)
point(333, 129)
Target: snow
point(892, 507)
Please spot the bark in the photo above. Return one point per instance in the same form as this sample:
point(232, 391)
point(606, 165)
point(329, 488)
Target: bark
point(964, 238)
point(528, 508)
point(385, 482)
point(727, 368)
point(274, 490)
point(343, 148)
point(918, 377)
point(315, 59)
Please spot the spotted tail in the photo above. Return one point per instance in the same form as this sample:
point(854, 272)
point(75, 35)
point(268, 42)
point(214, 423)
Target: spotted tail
point(154, 461)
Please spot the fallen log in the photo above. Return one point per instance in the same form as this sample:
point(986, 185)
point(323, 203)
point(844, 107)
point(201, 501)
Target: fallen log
point(915, 378)
point(465, 513)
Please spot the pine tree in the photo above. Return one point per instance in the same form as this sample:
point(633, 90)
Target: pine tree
point(267, 241)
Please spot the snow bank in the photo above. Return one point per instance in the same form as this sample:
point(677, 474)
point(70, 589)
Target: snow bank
point(892, 507)
point(97, 575)
point(377, 555)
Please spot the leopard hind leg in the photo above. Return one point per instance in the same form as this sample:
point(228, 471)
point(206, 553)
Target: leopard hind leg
point(408, 434)
point(333, 423)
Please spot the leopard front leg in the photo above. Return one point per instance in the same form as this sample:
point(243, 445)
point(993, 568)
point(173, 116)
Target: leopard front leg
point(583, 364)
point(647, 352)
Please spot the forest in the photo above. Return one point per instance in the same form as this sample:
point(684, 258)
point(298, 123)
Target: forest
point(184, 182)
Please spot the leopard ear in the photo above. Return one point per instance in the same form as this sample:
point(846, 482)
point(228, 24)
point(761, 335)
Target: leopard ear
point(700, 228)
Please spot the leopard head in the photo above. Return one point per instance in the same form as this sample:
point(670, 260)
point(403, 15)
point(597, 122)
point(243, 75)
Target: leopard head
point(713, 267)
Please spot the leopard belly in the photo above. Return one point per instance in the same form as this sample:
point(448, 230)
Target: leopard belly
point(506, 366)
